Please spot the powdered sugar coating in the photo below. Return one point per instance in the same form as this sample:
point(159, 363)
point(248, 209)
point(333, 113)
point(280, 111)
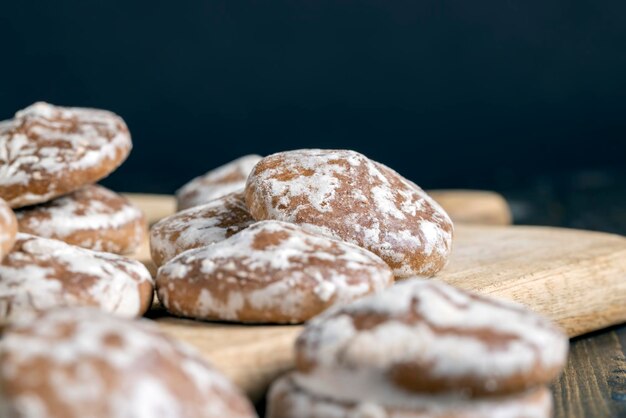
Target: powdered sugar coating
point(47, 151)
point(270, 272)
point(8, 229)
point(199, 226)
point(41, 274)
point(80, 362)
point(425, 335)
point(92, 217)
point(297, 395)
point(228, 178)
point(347, 196)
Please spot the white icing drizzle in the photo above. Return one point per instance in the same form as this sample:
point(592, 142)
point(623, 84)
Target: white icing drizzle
point(336, 395)
point(139, 389)
point(228, 178)
point(332, 341)
point(199, 226)
point(284, 275)
point(347, 196)
point(87, 209)
point(46, 142)
point(39, 275)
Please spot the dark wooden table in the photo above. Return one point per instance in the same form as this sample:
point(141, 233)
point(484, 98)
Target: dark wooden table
point(594, 381)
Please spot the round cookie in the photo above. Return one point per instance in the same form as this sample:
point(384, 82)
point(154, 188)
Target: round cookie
point(47, 151)
point(271, 272)
point(347, 196)
point(228, 178)
point(295, 396)
point(199, 226)
point(8, 229)
point(92, 217)
point(40, 274)
point(429, 337)
point(79, 362)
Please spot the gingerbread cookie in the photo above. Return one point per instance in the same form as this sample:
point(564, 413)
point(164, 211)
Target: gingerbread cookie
point(40, 274)
point(347, 196)
point(8, 229)
point(271, 272)
point(92, 217)
point(199, 226)
point(80, 362)
point(229, 178)
point(297, 396)
point(429, 337)
point(47, 151)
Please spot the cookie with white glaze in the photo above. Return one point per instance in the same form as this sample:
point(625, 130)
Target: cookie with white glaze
point(48, 151)
point(228, 178)
point(92, 217)
point(428, 337)
point(8, 229)
point(41, 274)
point(80, 362)
point(347, 196)
point(271, 272)
point(199, 226)
point(296, 396)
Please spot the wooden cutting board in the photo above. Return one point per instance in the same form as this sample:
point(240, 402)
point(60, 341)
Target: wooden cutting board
point(576, 278)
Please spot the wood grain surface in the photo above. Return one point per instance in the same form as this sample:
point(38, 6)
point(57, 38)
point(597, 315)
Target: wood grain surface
point(474, 206)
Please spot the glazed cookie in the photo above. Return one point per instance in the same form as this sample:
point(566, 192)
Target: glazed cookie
point(8, 229)
point(230, 177)
point(48, 151)
point(296, 396)
point(92, 217)
point(271, 272)
point(428, 337)
point(347, 196)
point(80, 362)
point(199, 226)
point(41, 273)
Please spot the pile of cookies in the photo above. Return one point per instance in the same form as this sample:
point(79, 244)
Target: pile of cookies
point(422, 349)
point(69, 228)
point(68, 348)
point(284, 237)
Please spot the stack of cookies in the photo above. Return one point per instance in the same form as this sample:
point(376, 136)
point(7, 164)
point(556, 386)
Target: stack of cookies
point(62, 353)
point(51, 157)
point(296, 232)
point(69, 228)
point(422, 349)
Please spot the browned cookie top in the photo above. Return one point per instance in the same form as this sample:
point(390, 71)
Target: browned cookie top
point(228, 178)
point(427, 336)
point(92, 217)
point(199, 226)
point(41, 273)
point(270, 272)
point(345, 195)
point(47, 151)
point(80, 362)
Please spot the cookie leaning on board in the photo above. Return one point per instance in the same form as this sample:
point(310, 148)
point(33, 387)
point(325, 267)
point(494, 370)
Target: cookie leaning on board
point(51, 155)
point(81, 362)
point(422, 349)
point(271, 272)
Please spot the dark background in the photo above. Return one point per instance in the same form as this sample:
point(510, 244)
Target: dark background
point(502, 94)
